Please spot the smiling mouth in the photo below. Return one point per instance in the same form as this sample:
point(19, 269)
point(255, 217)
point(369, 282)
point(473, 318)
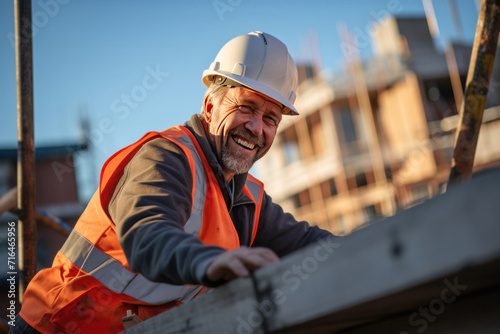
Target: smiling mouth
point(243, 143)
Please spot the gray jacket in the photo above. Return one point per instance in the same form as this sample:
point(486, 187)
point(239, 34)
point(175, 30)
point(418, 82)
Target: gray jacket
point(152, 201)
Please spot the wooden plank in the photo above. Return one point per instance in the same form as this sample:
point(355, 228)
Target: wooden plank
point(386, 269)
point(450, 319)
point(407, 310)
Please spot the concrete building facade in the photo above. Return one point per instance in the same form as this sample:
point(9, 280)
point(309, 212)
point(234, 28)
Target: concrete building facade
point(377, 136)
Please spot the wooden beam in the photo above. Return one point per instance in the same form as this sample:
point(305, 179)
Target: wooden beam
point(26, 144)
point(388, 269)
point(476, 91)
point(8, 202)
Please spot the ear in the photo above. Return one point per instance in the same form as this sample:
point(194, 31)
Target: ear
point(208, 109)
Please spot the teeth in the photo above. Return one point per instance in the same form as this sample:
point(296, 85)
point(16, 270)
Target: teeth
point(245, 143)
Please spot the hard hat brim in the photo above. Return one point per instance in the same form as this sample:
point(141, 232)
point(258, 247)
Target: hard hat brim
point(289, 109)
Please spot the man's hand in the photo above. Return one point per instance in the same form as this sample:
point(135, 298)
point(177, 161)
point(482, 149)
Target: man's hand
point(239, 263)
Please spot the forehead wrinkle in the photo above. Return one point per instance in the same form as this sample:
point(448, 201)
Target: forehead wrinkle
point(239, 95)
point(261, 106)
point(229, 100)
point(246, 91)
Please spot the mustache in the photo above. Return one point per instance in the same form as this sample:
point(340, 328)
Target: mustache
point(246, 134)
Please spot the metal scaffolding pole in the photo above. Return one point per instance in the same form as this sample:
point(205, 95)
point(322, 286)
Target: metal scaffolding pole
point(476, 90)
point(26, 146)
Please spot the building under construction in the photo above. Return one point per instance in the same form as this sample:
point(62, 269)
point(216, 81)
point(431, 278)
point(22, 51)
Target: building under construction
point(374, 142)
point(369, 143)
point(376, 137)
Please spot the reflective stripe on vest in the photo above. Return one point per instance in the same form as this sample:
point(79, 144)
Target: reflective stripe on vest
point(91, 276)
point(255, 189)
point(193, 224)
point(115, 277)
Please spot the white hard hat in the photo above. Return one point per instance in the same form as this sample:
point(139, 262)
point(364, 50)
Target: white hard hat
point(260, 62)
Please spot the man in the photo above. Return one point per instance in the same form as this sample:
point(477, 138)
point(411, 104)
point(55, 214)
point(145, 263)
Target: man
point(177, 211)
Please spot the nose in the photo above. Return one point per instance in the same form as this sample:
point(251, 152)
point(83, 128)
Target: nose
point(254, 125)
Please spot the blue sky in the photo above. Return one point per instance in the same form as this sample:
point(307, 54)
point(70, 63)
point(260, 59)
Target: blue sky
point(134, 66)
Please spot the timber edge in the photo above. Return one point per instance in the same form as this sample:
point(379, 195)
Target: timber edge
point(442, 256)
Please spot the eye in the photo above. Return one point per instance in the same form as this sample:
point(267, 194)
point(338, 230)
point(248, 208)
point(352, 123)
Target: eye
point(245, 109)
point(271, 120)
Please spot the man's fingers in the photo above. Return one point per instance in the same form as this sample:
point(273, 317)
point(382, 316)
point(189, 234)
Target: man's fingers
point(237, 267)
point(257, 257)
point(239, 263)
point(226, 266)
point(268, 254)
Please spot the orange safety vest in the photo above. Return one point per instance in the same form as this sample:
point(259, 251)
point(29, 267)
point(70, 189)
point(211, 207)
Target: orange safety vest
point(90, 286)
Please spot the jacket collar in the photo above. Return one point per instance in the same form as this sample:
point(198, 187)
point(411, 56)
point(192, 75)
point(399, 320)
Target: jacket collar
point(195, 125)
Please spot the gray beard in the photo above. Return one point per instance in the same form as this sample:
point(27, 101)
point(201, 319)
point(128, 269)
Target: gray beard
point(236, 162)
